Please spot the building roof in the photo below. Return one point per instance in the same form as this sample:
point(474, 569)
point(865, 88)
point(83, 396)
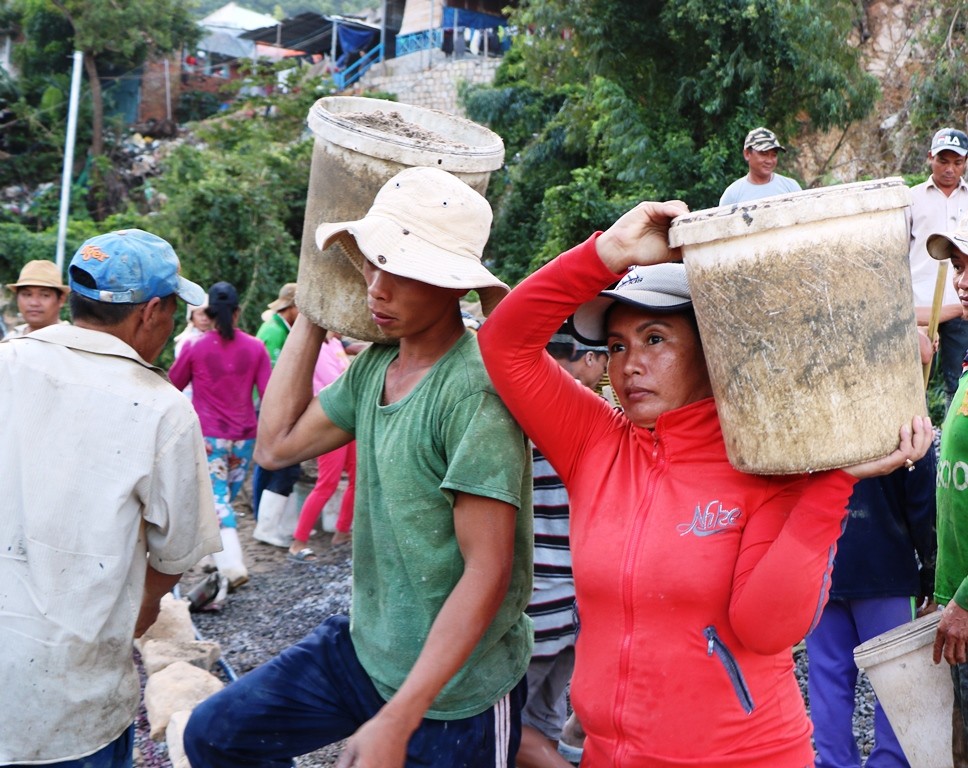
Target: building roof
point(309, 32)
point(233, 17)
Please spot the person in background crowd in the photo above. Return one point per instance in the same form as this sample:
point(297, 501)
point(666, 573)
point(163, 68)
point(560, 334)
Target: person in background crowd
point(693, 579)
point(883, 575)
point(951, 574)
point(430, 671)
point(198, 322)
point(40, 295)
point(552, 607)
point(760, 152)
point(275, 487)
point(223, 367)
point(105, 503)
point(937, 205)
point(332, 361)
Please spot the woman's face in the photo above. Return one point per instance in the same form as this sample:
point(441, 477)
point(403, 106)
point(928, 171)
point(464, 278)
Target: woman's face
point(201, 320)
point(655, 363)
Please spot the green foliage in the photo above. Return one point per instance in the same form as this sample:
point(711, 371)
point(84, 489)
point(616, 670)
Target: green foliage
point(125, 32)
point(940, 91)
point(624, 101)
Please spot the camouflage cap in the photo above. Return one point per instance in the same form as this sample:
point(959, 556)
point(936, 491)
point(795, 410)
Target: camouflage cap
point(762, 140)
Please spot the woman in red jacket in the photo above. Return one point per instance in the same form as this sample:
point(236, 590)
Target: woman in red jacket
point(693, 580)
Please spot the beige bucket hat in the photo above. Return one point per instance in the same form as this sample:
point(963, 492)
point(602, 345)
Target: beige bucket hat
point(40, 273)
point(425, 224)
point(940, 244)
point(287, 297)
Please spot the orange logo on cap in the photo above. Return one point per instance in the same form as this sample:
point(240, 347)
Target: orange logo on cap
point(89, 252)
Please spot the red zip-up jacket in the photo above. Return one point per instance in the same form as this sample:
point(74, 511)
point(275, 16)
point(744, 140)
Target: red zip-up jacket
point(693, 580)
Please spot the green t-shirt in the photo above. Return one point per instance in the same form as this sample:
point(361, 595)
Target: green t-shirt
point(273, 333)
point(451, 433)
point(951, 576)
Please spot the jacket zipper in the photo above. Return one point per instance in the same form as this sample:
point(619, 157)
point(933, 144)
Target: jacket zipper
point(628, 600)
point(715, 645)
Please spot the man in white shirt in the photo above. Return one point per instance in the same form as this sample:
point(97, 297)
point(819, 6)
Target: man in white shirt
point(937, 205)
point(760, 150)
point(106, 501)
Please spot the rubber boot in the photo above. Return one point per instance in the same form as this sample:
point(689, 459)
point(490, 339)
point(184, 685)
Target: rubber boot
point(230, 561)
point(271, 508)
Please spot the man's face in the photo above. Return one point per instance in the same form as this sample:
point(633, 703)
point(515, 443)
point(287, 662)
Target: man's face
point(947, 168)
point(40, 306)
point(959, 262)
point(402, 307)
point(761, 163)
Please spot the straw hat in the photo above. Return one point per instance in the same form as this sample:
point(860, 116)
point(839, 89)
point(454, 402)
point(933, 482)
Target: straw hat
point(40, 273)
point(427, 225)
point(287, 297)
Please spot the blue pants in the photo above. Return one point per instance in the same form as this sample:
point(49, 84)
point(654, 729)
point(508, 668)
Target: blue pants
point(280, 481)
point(118, 754)
point(832, 675)
point(316, 693)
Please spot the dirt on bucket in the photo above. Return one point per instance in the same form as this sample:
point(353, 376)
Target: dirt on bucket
point(395, 124)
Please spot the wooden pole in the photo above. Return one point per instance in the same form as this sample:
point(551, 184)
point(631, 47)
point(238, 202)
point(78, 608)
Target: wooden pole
point(935, 313)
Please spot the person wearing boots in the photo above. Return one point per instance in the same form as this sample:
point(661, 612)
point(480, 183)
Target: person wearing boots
point(274, 487)
point(223, 366)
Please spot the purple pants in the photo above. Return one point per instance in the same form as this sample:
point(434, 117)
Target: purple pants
point(832, 676)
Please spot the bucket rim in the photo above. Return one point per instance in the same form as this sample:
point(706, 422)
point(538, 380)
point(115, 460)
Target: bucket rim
point(791, 209)
point(899, 641)
point(491, 145)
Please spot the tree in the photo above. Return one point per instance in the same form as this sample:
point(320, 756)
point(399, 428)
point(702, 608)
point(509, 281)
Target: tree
point(655, 97)
point(124, 33)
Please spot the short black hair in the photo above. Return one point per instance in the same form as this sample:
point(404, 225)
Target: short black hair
point(99, 312)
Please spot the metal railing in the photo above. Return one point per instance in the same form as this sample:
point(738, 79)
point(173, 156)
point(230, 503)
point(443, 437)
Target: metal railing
point(346, 77)
point(419, 41)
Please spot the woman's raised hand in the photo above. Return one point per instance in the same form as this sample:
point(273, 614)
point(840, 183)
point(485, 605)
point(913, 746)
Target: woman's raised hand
point(640, 237)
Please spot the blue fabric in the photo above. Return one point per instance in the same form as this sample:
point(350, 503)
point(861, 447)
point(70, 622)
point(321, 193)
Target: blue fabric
point(280, 481)
point(953, 341)
point(118, 754)
point(316, 693)
point(471, 19)
point(832, 675)
point(889, 518)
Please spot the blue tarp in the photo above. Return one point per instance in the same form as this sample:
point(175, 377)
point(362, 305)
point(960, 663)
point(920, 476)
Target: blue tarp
point(352, 40)
point(471, 19)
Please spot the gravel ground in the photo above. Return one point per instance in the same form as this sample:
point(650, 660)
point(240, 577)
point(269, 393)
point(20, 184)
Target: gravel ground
point(284, 601)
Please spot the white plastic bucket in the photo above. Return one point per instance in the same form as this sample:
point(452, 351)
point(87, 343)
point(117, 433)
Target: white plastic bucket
point(360, 144)
point(916, 693)
point(806, 314)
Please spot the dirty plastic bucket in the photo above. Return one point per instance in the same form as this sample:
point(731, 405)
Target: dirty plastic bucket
point(916, 693)
point(806, 314)
point(359, 145)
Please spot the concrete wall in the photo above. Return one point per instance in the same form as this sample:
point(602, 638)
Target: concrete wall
point(428, 78)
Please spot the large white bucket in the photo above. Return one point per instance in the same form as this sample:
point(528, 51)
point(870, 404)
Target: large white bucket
point(360, 144)
point(806, 313)
point(916, 693)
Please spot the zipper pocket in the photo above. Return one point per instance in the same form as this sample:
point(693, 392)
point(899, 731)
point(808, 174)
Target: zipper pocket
point(717, 646)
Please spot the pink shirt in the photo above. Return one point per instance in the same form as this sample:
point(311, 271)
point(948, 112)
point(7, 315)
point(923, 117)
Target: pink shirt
point(332, 361)
point(223, 374)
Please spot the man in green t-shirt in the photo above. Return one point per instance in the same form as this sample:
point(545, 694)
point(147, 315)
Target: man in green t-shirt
point(430, 670)
point(951, 573)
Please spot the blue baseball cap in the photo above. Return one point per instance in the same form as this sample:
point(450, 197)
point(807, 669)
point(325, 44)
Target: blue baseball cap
point(129, 266)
